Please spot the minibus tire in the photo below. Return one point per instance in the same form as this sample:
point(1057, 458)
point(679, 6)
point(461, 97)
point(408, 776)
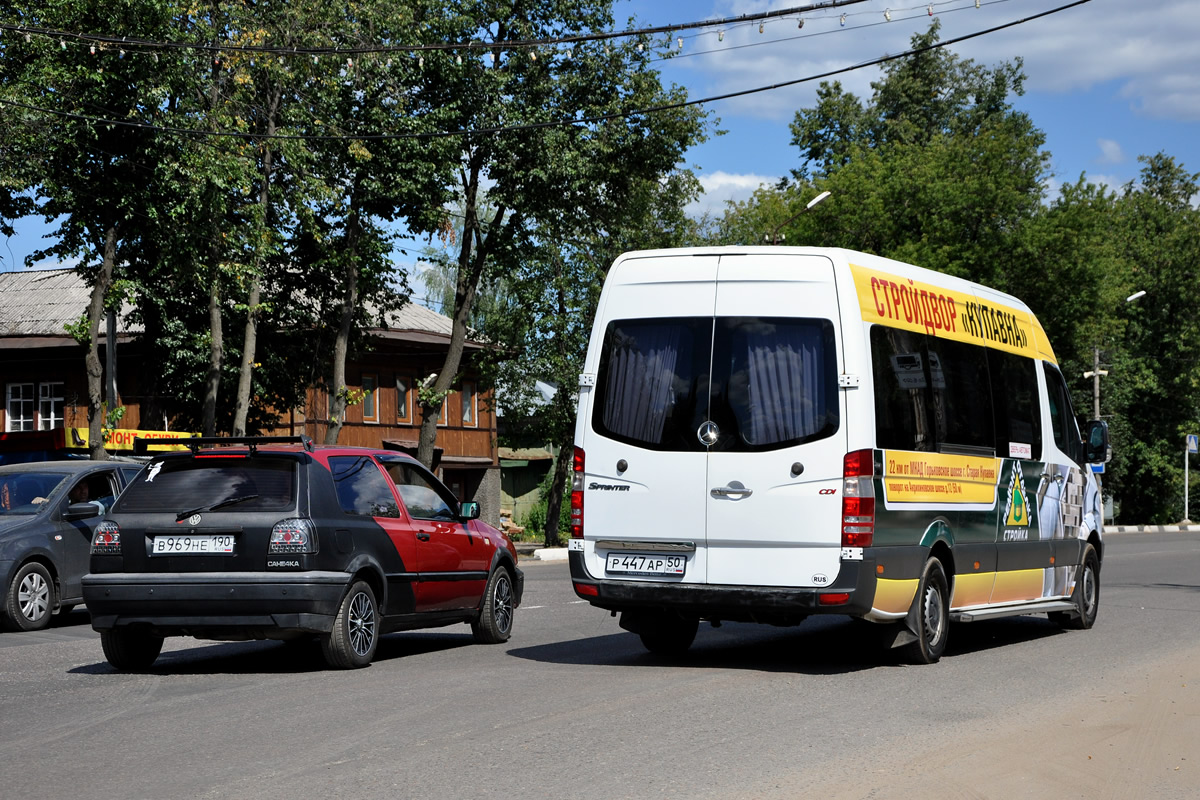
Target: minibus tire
point(930, 615)
point(669, 635)
point(1086, 597)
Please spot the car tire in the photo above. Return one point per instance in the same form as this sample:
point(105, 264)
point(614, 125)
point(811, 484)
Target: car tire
point(130, 649)
point(355, 635)
point(1086, 596)
point(669, 635)
point(494, 624)
point(932, 609)
point(29, 601)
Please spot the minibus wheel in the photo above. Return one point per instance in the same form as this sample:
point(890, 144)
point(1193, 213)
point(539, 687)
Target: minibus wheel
point(929, 617)
point(664, 634)
point(1087, 594)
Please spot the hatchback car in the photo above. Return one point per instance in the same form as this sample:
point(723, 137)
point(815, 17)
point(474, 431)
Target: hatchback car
point(275, 538)
point(48, 511)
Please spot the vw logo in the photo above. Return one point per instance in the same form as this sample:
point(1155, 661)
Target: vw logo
point(708, 433)
point(194, 519)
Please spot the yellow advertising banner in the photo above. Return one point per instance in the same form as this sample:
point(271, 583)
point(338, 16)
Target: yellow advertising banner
point(904, 303)
point(122, 438)
point(912, 477)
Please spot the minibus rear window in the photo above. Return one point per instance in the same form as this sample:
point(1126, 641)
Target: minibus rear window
point(652, 386)
point(767, 383)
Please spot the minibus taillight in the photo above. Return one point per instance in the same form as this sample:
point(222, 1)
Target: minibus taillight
point(577, 495)
point(858, 498)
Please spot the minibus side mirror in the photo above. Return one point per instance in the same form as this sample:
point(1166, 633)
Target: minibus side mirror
point(1095, 445)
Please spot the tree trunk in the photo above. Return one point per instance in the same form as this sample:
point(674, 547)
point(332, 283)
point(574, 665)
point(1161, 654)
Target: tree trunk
point(472, 258)
point(95, 372)
point(566, 435)
point(216, 348)
point(216, 341)
point(338, 402)
point(558, 486)
point(250, 340)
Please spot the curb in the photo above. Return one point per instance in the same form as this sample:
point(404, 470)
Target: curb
point(1181, 528)
point(550, 554)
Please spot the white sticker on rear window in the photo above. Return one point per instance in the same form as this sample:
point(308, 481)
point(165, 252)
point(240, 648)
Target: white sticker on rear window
point(1020, 450)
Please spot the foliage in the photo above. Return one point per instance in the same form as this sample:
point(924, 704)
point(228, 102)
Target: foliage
point(938, 169)
point(534, 520)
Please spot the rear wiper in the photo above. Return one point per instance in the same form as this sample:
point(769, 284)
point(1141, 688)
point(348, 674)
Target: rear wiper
point(202, 509)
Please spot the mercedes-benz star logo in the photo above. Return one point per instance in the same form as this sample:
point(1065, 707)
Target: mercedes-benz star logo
point(708, 433)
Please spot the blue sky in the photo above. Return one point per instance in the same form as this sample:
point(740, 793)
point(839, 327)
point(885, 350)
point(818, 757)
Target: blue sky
point(1107, 80)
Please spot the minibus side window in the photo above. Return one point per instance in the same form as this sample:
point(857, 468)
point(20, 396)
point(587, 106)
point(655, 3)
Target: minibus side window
point(902, 407)
point(1015, 400)
point(1062, 416)
point(962, 396)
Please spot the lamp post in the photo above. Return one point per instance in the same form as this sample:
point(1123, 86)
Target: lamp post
point(1095, 373)
point(773, 237)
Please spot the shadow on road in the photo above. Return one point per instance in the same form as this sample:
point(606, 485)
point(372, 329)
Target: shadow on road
point(820, 646)
point(269, 657)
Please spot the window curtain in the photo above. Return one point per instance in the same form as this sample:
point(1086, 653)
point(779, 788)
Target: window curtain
point(641, 381)
point(785, 383)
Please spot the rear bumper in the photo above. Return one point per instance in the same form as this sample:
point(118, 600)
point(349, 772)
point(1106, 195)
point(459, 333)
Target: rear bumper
point(242, 605)
point(772, 604)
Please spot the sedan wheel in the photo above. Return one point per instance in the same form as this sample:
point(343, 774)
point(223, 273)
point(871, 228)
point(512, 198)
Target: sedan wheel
point(30, 598)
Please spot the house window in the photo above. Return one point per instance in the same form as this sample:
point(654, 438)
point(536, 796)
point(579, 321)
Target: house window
point(370, 398)
point(403, 406)
point(50, 406)
point(19, 402)
point(469, 410)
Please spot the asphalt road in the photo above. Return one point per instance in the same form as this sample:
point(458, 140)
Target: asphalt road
point(573, 707)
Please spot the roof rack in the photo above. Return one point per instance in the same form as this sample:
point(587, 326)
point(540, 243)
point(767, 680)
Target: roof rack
point(194, 444)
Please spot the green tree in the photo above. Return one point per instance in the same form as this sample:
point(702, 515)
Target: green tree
point(1153, 386)
point(520, 187)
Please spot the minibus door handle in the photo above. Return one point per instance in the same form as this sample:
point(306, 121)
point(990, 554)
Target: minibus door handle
point(735, 489)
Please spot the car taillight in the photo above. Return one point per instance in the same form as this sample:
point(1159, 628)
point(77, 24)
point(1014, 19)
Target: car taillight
point(858, 499)
point(293, 536)
point(106, 541)
point(577, 495)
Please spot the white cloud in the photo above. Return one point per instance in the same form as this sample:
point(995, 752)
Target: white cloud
point(721, 188)
point(1110, 152)
point(1148, 49)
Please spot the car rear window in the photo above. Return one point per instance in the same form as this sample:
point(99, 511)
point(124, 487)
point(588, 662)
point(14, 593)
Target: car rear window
point(237, 484)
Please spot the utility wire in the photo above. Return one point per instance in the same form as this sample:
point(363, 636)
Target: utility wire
point(150, 44)
point(565, 122)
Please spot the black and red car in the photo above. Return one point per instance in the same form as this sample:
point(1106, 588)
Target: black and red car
point(275, 538)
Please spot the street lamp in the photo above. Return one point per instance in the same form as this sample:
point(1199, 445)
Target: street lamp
point(1095, 373)
point(773, 237)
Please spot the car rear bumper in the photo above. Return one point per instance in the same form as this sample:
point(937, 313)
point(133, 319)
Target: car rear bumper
point(216, 605)
point(772, 604)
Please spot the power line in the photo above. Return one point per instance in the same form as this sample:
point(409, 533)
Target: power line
point(572, 122)
point(151, 44)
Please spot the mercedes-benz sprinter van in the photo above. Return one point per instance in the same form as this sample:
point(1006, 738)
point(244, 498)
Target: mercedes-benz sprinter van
point(766, 433)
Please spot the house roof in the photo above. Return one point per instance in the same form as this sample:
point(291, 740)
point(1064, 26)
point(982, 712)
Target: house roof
point(40, 303)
